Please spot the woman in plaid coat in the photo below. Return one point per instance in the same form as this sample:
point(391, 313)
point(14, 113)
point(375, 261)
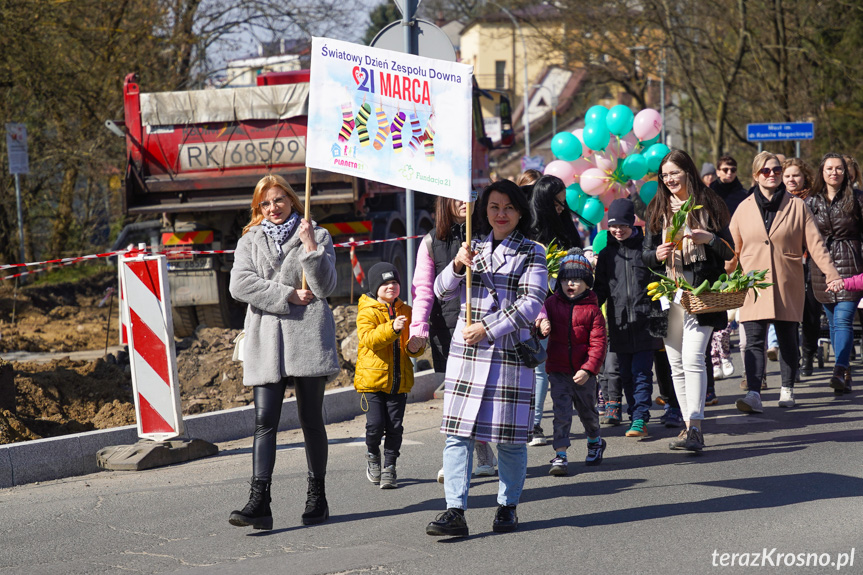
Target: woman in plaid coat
point(488, 390)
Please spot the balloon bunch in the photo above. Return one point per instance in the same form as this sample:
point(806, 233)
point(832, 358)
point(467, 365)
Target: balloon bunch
point(608, 159)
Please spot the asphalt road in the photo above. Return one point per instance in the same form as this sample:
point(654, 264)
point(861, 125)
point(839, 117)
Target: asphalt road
point(788, 480)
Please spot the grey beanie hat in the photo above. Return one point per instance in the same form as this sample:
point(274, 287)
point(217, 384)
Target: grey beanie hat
point(707, 168)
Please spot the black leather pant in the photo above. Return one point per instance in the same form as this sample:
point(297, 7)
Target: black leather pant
point(268, 410)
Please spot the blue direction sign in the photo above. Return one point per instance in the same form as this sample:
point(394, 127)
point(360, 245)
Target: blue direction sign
point(788, 131)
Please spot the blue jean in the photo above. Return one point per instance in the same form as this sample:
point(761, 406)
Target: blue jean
point(635, 372)
point(458, 463)
point(540, 378)
point(840, 318)
point(772, 340)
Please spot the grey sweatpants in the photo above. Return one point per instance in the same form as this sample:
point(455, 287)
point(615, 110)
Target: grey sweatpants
point(564, 395)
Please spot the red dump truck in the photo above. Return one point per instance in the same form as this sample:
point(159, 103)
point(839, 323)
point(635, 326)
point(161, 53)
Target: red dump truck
point(194, 157)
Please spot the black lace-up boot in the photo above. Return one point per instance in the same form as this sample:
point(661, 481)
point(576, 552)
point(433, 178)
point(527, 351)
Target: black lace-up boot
point(257, 511)
point(317, 510)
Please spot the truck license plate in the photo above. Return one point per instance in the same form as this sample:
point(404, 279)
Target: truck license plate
point(216, 155)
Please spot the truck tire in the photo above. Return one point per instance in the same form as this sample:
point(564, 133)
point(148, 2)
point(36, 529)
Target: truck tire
point(225, 314)
point(185, 321)
point(396, 255)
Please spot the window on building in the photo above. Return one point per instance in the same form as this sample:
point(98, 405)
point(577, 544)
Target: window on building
point(500, 74)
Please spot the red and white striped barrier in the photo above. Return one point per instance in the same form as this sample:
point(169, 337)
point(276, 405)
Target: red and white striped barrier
point(67, 261)
point(146, 307)
point(359, 275)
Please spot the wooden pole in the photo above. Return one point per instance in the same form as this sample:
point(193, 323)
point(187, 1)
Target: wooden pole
point(468, 276)
point(308, 210)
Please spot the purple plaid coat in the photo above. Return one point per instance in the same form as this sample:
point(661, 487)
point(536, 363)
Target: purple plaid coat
point(488, 391)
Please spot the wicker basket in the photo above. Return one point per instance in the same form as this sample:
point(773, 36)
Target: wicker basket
point(711, 302)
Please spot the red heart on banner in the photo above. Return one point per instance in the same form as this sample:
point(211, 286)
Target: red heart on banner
point(359, 74)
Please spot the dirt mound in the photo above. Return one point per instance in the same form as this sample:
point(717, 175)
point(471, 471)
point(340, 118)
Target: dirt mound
point(65, 396)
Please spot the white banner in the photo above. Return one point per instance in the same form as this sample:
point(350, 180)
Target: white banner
point(390, 117)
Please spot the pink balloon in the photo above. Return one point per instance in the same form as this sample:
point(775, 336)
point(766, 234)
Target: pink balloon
point(647, 125)
point(561, 169)
point(603, 225)
point(594, 182)
point(628, 144)
point(579, 133)
point(605, 162)
point(580, 165)
point(639, 222)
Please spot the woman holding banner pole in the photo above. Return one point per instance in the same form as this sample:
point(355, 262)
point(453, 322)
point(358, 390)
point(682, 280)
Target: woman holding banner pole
point(488, 389)
point(284, 268)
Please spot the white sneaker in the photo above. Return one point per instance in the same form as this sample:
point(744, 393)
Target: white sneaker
point(717, 372)
point(485, 460)
point(786, 397)
point(727, 368)
point(440, 475)
point(750, 403)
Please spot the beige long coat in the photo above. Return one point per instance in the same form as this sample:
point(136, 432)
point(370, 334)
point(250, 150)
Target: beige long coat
point(792, 233)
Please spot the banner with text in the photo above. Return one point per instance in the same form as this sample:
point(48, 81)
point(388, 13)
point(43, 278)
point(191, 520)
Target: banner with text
point(390, 117)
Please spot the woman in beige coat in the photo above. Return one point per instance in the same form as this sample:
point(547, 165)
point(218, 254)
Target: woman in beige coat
point(771, 230)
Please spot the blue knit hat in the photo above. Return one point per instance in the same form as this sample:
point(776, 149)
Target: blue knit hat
point(576, 265)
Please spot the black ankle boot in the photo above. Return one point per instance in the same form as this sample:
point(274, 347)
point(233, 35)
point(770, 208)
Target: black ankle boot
point(806, 370)
point(317, 510)
point(837, 381)
point(257, 511)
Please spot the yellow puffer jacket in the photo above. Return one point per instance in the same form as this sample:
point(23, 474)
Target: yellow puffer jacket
point(375, 359)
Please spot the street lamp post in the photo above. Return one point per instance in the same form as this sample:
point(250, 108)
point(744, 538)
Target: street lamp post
point(662, 70)
point(525, 120)
point(553, 106)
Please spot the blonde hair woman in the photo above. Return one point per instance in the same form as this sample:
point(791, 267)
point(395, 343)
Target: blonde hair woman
point(772, 229)
point(290, 337)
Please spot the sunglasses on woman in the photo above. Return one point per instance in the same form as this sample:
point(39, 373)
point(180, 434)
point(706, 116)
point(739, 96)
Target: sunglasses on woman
point(766, 171)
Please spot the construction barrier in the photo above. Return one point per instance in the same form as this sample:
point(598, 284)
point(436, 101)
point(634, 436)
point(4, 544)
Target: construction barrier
point(145, 305)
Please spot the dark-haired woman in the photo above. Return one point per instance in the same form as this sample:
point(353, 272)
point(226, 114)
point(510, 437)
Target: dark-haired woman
point(551, 221)
point(700, 255)
point(838, 211)
point(797, 177)
point(290, 338)
point(435, 320)
point(488, 389)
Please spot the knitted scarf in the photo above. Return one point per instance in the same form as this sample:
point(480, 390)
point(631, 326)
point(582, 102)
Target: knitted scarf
point(280, 233)
point(689, 251)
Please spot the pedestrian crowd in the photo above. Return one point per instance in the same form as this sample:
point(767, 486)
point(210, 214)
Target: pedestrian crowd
point(506, 328)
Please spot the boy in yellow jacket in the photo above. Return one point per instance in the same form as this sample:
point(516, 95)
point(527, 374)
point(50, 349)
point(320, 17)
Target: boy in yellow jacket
point(384, 373)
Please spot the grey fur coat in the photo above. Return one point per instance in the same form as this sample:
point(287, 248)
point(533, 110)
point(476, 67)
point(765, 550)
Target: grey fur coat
point(284, 339)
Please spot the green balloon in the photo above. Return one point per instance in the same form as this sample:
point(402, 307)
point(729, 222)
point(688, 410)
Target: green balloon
point(635, 166)
point(595, 115)
point(648, 191)
point(575, 197)
point(596, 136)
point(654, 155)
point(600, 241)
point(565, 146)
point(619, 120)
point(647, 143)
point(593, 210)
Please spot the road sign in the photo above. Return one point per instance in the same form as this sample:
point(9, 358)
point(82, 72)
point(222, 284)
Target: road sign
point(400, 4)
point(427, 39)
point(780, 131)
point(16, 145)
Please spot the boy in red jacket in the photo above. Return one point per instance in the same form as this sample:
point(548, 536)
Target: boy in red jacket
point(576, 351)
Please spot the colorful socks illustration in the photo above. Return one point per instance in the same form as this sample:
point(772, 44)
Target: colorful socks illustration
point(362, 122)
point(428, 143)
point(347, 122)
point(396, 129)
point(416, 142)
point(383, 128)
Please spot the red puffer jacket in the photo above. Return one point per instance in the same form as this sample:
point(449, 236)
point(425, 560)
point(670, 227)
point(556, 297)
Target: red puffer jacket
point(577, 338)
